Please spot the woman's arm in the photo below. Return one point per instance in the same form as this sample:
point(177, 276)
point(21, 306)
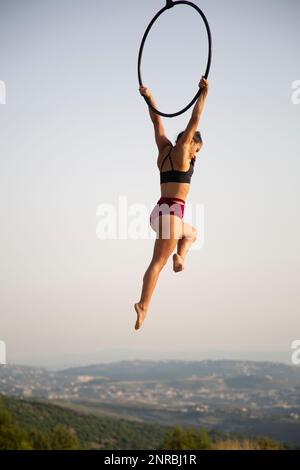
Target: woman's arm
point(160, 136)
point(193, 124)
point(144, 91)
point(198, 108)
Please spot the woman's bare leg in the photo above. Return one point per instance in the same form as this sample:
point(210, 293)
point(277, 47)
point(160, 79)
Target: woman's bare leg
point(189, 236)
point(163, 248)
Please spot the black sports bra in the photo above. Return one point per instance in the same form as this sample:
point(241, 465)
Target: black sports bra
point(174, 176)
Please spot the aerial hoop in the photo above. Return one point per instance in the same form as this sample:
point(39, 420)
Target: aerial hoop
point(171, 4)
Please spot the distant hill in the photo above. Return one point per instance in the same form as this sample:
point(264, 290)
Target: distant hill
point(175, 369)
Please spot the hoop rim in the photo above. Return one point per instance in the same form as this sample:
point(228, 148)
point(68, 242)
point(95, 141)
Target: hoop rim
point(171, 4)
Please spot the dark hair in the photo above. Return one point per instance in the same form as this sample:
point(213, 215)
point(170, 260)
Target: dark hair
point(197, 137)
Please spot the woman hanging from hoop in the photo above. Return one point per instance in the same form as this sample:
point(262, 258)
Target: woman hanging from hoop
point(166, 219)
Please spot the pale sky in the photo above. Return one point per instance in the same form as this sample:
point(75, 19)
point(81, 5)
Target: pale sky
point(75, 133)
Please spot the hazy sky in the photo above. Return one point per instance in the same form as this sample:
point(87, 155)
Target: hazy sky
point(75, 133)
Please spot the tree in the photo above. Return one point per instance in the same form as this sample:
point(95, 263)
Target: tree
point(11, 436)
point(62, 438)
point(189, 439)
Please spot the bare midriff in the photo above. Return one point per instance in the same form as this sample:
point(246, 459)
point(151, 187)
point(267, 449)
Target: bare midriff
point(178, 190)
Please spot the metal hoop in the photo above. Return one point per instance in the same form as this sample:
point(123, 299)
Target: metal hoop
point(171, 4)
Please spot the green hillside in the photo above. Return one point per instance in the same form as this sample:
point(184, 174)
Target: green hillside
point(91, 431)
point(33, 425)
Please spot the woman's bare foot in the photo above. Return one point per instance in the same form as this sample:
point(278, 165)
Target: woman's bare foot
point(178, 264)
point(141, 315)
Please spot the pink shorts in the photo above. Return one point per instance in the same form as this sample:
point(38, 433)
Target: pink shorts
point(168, 206)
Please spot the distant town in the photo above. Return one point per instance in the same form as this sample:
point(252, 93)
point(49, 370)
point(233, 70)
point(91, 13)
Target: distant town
point(237, 395)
